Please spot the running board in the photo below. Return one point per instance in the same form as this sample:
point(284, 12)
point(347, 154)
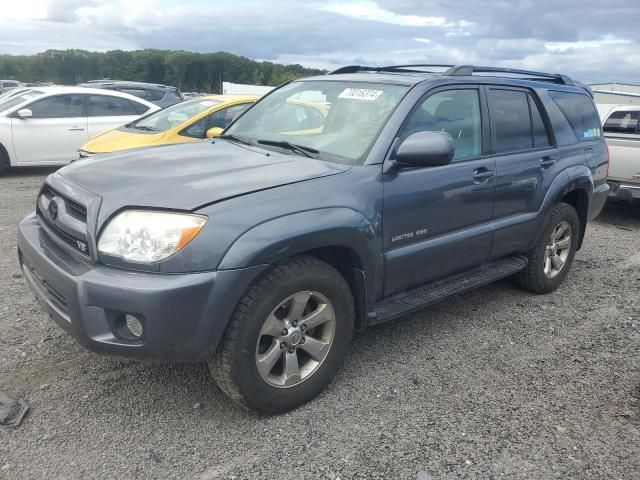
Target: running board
point(420, 297)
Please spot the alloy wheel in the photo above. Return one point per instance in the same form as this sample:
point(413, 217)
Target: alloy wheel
point(295, 339)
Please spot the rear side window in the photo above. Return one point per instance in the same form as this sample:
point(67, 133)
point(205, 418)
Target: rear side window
point(509, 110)
point(61, 106)
point(108, 106)
point(153, 95)
point(581, 114)
point(622, 122)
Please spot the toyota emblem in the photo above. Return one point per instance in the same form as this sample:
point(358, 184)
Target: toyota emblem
point(53, 209)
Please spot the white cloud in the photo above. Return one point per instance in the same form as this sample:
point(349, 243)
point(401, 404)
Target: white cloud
point(365, 10)
point(607, 40)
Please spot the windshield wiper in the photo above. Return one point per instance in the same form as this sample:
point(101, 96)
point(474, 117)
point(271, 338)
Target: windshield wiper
point(235, 138)
point(301, 149)
point(144, 128)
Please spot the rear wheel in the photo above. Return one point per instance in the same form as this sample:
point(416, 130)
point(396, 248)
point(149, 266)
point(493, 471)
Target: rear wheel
point(552, 256)
point(287, 338)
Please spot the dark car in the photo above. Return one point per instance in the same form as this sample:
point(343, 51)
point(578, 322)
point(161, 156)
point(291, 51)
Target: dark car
point(161, 95)
point(263, 250)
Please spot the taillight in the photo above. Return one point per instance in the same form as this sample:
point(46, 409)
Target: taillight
point(608, 158)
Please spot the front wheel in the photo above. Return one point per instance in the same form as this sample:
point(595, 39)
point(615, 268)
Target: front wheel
point(287, 338)
point(552, 256)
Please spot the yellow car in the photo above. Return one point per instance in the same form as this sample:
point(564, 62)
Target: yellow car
point(188, 121)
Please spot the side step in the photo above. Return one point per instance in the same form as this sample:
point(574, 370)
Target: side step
point(420, 297)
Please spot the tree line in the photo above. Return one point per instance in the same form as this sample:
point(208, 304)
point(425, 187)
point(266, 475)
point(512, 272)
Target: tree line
point(187, 70)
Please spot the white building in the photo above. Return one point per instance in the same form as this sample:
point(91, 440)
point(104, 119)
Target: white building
point(616, 93)
point(229, 88)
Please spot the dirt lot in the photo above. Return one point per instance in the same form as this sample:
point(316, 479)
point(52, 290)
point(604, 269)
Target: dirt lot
point(497, 383)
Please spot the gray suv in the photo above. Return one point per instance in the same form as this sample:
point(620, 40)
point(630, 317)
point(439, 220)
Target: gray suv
point(161, 95)
point(334, 203)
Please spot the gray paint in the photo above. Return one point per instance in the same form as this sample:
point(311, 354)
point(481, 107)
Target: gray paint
point(263, 207)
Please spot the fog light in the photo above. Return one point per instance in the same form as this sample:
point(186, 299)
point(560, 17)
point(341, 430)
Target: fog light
point(133, 325)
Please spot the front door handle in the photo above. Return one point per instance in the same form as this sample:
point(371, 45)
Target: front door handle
point(547, 162)
point(482, 174)
point(75, 128)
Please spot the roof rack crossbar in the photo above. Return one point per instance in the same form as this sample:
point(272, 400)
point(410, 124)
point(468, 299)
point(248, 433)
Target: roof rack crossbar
point(458, 70)
point(467, 70)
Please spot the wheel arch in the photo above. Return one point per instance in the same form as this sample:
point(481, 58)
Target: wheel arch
point(573, 186)
point(339, 236)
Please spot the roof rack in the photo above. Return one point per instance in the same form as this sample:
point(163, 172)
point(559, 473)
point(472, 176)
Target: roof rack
point(459, 70)
point(416, 68)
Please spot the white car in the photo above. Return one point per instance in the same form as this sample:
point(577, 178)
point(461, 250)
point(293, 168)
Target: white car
point(47, 125)
point(621, 126)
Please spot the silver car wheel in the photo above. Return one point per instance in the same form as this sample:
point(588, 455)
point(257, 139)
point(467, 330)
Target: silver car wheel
point(295, 339)
point(557, 251)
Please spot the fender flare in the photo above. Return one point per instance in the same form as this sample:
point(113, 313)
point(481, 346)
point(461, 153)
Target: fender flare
point(296, 233)
point(577, 177)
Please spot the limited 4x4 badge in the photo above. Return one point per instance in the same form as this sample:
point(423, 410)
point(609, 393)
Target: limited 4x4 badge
point(408, 235)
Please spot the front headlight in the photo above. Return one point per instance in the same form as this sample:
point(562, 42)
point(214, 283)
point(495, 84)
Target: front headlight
point(144, 236)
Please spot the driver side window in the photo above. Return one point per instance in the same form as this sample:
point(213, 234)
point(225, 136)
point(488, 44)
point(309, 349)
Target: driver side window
point(456, 112)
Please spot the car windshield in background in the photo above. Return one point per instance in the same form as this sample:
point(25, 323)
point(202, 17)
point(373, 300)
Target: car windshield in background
point(13, 100)
point(172, 116)
point(336, 120)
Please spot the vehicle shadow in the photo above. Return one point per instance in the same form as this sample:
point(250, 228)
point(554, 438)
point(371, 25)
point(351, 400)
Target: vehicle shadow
point(15, 172)
point(620, 214)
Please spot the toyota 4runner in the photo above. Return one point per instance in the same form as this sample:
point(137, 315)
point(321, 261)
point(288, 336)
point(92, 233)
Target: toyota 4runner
point(335, 203)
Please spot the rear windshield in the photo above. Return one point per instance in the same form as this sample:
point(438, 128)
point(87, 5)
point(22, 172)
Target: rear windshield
point(581, 114)
point(622, 122)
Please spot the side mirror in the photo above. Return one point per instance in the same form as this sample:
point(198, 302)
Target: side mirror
point(426, 149)
point(24, 113)
point(214, 132)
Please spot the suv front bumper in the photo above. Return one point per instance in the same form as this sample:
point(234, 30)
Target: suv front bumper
point(183, 315)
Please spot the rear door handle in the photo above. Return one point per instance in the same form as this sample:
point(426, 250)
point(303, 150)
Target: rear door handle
point(482, 174)
point(547, 162)
point(75, 128)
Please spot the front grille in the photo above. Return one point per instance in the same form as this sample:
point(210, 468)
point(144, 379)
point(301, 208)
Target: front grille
point(70, 226)
point(73, 208)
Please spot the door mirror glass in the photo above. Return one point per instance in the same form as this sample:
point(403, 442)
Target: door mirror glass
point(426, 149)
point(214, 132)
point(24, 113)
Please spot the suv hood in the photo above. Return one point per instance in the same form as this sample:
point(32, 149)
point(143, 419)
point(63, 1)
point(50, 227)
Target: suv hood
point(189, 176)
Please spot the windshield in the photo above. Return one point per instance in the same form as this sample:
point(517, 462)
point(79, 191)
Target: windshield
point(11, 101)
point(336, 121)
point(172, 116)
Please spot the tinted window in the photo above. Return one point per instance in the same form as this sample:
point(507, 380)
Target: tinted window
point(540, 135)
point(60, 106)
point(151, 94)
point(222, 118)
point(136, 92)
point(107, 106)
point(622, 122)
point(456, 112)
point(197, 129)
point(581, 114)
point(509, 112)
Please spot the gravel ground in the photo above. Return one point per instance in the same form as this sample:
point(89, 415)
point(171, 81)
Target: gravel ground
point(496, 383)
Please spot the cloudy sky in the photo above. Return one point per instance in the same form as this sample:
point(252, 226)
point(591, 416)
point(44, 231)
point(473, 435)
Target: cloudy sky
point(593, 41)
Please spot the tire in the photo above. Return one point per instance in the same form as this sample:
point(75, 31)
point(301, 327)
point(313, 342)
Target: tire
point(537, 277)
point(250, 338)
point(4, 160)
